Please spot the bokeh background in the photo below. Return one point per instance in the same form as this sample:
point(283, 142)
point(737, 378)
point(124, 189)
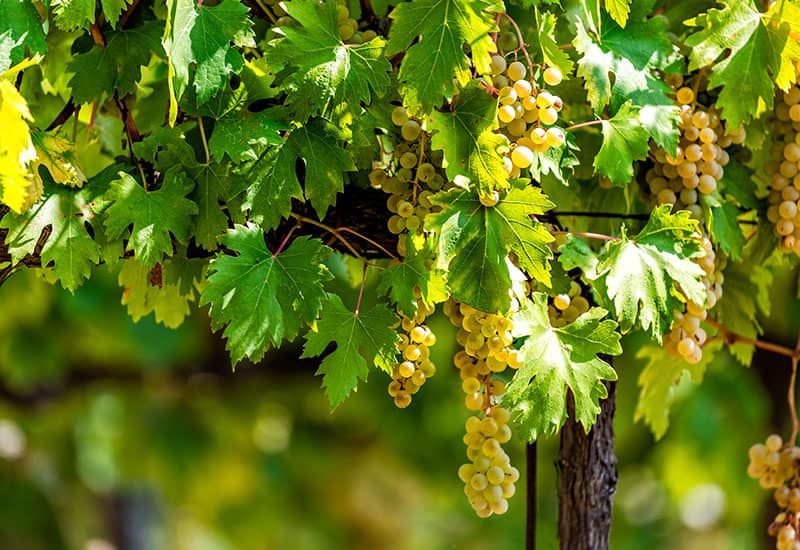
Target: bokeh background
point(122, 435)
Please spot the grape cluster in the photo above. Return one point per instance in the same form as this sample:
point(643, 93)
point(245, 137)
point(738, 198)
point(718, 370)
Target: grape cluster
point(687, 337)
point(776, 466)
point(348, 27)
point(486, 340)
point(784, 170)
point(411, 178)
point(698, 164)
point(563, 309)
point(527, 113)
point(416, 367)
point(489, 477)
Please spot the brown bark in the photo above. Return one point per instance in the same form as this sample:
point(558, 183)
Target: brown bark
point(588, 479)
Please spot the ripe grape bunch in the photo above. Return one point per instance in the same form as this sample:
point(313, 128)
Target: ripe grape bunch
point(784, 170)
point(527, 113)
point(410, 178)
point(487, 351)
point(775, 465)
point(697, 166)
point(687, 337)
point(563, 309)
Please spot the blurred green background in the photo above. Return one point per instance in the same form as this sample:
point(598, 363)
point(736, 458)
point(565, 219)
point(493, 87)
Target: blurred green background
point(122, 435)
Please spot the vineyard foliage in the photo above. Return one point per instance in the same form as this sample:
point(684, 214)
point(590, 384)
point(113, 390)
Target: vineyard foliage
point(223, 156)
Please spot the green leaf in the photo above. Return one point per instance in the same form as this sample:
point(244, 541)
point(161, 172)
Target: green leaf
point(753, 45)
point(262, 299)
point(466, 135)
point(211, 186)
point(324, 72)
point(552, 54)
point(239, 130)
point(475, 241)
point(113, 9)
point(69, 247)
point(156, 290)
point(737, 183)
point(624, 142)
point(621, 67)
point(73, 14)
point(22, 27)
point(415, 270)
point(117, 66)
point(58, 156)
point(658, 380)
point(641, 274)
point(724, 229)
point(747, 296)
point(443, 27)
point(272, 181)
point(619, 10)
point(362, 338)
point(557, 360)
point(153, 215)
point(201, 37)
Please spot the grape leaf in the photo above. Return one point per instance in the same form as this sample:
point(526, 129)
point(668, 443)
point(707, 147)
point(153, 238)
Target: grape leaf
point(211, 186)
point(63, 214)
point(640, 274)
point(261, 298)
point(151, 290)
point(113, 9)
point(271, 182)
point(557, 161)
point(624, 141)
point(747, 295)
point(443, 27)
point(202, 35)
point(619, 10)
point(239, 130)
point(470, 146)
point(153, 215)
point(751, 43)
point(475, 241)
point(73, 14)
point(557, 360)
point(724, 229)
point(631, 56)
point(22, 26)
point(551, 53)
point(361, 338)
point(324, 72)
point(415, 270)
point(117, 66)
point(16, 149)
point(58, 156)
point(658, 379)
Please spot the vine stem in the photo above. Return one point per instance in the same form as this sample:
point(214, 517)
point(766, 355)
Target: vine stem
point(370, 241)
point(792, 405)
point(361, 290)
point(285, 240)
point(203, 139)
point(330, 230)
point(520, 39)
point(583, 125)
point(598, 236)
point(731, 337)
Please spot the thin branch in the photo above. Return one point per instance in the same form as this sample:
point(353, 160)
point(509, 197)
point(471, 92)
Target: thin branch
point(330, 230)
point(521, 41)
point(361, 290)
point(203, 138)
point(583, 125)
point(62, 116)
point(587, 235)
point(285, 240)
point(731, 338)
point(370, 241)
